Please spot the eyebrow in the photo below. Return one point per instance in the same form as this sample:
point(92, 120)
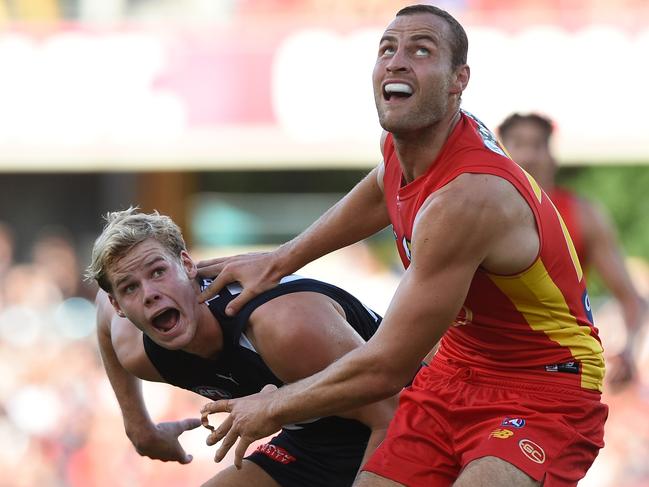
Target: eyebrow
point(387, 38)
point(425, 37)
point(147, 263)
point(414, 37)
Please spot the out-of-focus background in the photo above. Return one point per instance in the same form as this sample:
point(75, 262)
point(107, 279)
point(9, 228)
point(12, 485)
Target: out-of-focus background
point(244, 120)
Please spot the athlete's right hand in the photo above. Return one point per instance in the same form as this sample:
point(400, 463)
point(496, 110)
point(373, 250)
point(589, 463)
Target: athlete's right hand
point(161, 441)
point(256, 272)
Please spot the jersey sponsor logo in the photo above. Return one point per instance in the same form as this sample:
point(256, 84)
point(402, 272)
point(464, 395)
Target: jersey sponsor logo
point(532, 451)
point(276, 453)
point(464, 317)
point(515, 422)
point(585, 300)
point(488, 138)
point(213, 393)
point(501, 433)
point(407, 248)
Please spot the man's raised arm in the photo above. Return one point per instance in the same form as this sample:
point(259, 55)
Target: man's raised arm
point(427, 300)
point(361, 213)
point(606, 258)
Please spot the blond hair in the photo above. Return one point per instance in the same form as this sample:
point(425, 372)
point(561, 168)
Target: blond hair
point(124, 230)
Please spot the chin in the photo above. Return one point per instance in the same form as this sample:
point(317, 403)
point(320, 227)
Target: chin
point(179, 341)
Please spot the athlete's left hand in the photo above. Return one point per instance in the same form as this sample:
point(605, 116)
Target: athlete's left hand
point(622, 370)
point(250, 419)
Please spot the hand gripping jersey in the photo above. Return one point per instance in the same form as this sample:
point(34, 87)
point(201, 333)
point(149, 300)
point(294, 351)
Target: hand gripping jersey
point(239, 370)
point(535, 323)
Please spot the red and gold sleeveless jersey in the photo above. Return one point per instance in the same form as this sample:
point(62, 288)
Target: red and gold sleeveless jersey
point(535, 323)
point(567, 204)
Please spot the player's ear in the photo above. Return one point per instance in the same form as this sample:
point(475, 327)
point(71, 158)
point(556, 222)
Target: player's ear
point(116, 306)
point(188, 264)
point(460, 79)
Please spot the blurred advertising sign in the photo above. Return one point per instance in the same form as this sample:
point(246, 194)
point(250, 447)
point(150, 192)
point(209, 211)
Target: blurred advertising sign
point(136, 97)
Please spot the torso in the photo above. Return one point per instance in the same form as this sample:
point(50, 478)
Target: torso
point(240, 370)
point(536, 321)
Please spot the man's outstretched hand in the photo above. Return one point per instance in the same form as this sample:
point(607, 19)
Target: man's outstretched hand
point(256, 272)
point(161, 442)
point(249, 420)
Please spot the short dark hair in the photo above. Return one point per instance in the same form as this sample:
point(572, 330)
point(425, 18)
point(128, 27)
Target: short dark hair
point(459, 41)
point(542, 122)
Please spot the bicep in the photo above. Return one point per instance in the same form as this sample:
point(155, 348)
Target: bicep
point(448, 246)
point(302, 334)
point(423, 307)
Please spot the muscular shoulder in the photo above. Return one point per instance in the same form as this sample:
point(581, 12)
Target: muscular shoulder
point(480, 217)
point(474, 198)
point(299, 334)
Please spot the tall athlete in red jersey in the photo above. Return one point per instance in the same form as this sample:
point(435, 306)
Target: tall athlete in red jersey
point(512, 397)
point(527, 138)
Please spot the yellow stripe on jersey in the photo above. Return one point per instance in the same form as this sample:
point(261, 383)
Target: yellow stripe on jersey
point(571, 246)
point(566, 234)
point(539, 300)
point(535, 186)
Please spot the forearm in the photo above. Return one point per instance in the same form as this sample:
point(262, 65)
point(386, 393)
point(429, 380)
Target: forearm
point(135, 416)
point(353, 381)
point(634, 309)
point(614, 275)
point(360, 214)
point(128, 392)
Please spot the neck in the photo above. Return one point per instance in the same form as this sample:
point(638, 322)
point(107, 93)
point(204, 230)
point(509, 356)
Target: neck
point(418, 150)
point(208, 339)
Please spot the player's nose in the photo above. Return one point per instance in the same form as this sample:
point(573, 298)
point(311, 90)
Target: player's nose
point(150, 293)
point(397, 62)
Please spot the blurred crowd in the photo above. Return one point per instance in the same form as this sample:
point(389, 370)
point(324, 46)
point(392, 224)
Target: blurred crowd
point(223, 10)
point(60, 425)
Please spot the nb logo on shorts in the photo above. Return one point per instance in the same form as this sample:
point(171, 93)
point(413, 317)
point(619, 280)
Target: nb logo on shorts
point(532, 451)
point(501, 434)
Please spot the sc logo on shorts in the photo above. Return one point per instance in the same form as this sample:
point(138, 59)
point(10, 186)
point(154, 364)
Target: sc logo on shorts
point(532, 451)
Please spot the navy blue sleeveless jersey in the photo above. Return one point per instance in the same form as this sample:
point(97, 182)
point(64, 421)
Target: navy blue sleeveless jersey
point(240, 371)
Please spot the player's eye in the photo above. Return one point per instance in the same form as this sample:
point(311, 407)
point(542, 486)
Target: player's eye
point(387, 51)
point(129, 288)
point(157, 272)
point(422, 51)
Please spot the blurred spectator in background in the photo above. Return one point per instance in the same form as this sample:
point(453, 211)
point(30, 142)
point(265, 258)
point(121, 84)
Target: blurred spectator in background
point(527, 137)
point(54, 255)
point(6, 256)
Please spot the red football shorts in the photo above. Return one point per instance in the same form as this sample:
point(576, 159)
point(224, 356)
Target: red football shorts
point(453, 415)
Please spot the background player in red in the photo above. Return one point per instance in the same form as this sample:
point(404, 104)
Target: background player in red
point(527, 137)
point(512, 396)
point(150, 326)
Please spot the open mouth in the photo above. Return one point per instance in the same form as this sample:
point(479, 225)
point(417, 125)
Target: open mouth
point(166, 320)
point(396, 90)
